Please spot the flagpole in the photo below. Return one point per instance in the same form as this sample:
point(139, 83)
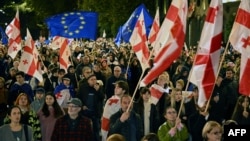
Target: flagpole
point(182, 100)
point(135, 90)
point(73, 66)
point(44, 66)
point(131, 53)
point(221, 62)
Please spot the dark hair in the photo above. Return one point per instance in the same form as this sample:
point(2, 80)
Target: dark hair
point(20, 73)
point(144, 90)
point(11, 108)
point(150, 137)
point(57, 109)
point(124, 85)
point(61, 71)
point(139, 108)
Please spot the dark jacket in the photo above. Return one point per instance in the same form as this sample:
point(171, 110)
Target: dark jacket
point(129, 129)
point(95, 105)
point(153, 117)
point(65, 131)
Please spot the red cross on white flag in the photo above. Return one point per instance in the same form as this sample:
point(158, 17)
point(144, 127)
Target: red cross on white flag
point(170, 40)
point(29, 59)
point(13, 32)
point(65, 53)
point(155, 28)
point(240, 40)
point(206, 63)
point(139, 43)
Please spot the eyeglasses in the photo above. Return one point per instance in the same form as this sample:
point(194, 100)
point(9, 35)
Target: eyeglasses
point(173, 112)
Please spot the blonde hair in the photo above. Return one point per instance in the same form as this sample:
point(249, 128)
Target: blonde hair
point(2, 79)
point(116, 137)
point(173, 102)
point(207, 128)
point(180, 81)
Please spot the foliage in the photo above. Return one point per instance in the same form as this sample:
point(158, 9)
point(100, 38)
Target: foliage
point(112, 13)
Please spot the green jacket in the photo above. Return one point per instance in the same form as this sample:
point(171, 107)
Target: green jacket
point(180, 135)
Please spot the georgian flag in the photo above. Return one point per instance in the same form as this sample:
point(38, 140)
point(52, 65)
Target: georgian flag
point(29, 63)
point(206, 63)
point(156, 93)
point(240, 40)
point(154, 29)
point(169, 40)
point(112, 105)
point(139, 43)
point(13, 32)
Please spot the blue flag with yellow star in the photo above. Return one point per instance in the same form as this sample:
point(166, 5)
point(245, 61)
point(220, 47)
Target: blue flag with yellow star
point(79, 24)
point(128, 27)
point(4, 37)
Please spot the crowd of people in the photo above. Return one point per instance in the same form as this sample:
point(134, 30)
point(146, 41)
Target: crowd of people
point(97, 97)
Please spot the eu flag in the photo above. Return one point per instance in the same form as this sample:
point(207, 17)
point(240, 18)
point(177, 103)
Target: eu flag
point(79, 24)
point(128, 27)
point(118, 38)
point(4, 37)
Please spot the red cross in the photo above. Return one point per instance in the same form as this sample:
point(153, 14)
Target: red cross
point(14, 48)
point(25, 62)
point(211, 14)
point(246, 41)
point(58, 95)
point(111, 101)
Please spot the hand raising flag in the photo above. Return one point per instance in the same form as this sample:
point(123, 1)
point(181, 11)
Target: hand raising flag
point(240, 40)
point(206, 63)
point(13, 32)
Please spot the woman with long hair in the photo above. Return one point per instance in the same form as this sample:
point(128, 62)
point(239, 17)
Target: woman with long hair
point(48, 115)
point(242, 110)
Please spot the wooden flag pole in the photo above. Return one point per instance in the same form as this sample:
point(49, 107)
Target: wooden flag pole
point(129, 60)
point(135, 91)
point(220, 65)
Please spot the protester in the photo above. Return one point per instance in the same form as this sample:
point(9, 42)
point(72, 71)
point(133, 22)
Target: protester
point(116, 137)
point(3, 100)
point(112, 105)
point(172, 129)
point(38, 100)
point(28, 116)
point(92, 98)
point(15, 130)
point(126, 122)
point(111, 81)
point(20, 86)
point(48, 114)
point(212, 131)
point(73, 126)
point(64, 91)
point(150, 137)
point(242, 110)
point(147, 111)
